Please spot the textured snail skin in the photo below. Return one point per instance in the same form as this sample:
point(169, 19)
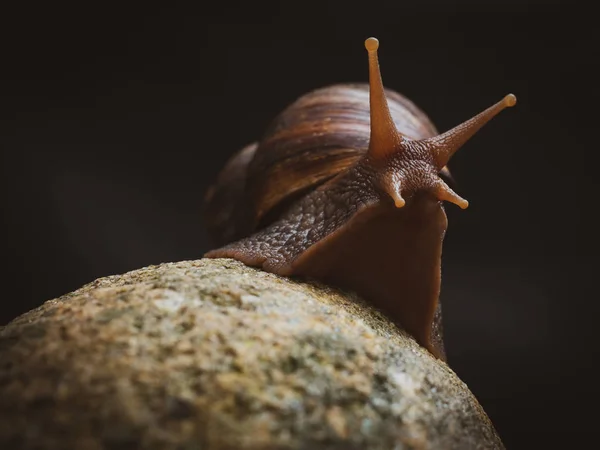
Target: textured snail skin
point(348, 234)
point(372, 219)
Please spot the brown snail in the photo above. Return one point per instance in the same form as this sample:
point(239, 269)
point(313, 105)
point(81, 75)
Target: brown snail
point(345, 188)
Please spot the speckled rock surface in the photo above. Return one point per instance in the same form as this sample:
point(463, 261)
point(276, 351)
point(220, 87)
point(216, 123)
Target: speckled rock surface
point(211, 354)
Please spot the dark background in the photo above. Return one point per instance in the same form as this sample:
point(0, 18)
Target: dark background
point(115, 121)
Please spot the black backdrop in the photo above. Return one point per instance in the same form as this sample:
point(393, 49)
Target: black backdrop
point(115, 121)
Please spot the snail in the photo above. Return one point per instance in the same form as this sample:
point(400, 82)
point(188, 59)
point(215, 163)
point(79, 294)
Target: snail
point(347, 187)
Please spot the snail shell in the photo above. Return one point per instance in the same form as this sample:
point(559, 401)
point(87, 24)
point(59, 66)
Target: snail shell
point(316, 137)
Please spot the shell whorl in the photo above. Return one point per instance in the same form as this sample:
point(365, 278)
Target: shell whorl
point(318, 136)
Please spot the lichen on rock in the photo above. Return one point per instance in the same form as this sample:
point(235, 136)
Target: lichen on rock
point(212, 354)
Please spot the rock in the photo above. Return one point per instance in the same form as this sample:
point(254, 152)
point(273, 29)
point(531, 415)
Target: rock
point(212, 354)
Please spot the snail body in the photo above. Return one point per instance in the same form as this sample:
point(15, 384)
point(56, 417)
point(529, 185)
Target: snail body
point(346, 187)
